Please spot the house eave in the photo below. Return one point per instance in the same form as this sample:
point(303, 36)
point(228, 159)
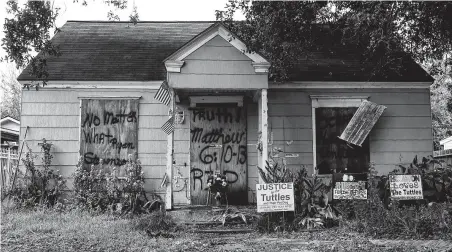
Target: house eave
point(346, 84)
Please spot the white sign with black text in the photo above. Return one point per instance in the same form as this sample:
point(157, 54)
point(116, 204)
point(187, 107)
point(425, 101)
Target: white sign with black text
point(405, 187)
point(275, 197)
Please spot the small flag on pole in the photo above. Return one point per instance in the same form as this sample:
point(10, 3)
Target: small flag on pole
point(163, 94)
point(168, 127)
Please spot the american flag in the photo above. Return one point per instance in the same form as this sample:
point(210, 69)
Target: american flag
point(163, 94)
point(168, 127)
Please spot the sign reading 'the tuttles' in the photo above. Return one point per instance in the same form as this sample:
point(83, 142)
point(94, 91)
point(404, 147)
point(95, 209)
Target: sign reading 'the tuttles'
point(275, 197)
point(405, 187)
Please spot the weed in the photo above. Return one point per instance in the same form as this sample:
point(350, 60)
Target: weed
point(98, 190)
point(38, 186)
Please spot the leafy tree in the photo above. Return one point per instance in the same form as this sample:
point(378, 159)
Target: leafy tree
point(441, 100)
point(31, 27)
point(11, 93)
point(387, 32)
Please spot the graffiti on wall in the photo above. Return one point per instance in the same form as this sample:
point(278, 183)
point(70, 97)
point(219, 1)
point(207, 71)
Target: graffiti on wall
point(217, 144)
point(108, 131)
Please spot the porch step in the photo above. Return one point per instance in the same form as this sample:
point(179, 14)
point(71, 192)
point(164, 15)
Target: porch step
point(206, 215)
point(225, 231)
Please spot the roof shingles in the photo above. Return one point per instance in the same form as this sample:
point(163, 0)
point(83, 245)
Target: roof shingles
point(121, 51)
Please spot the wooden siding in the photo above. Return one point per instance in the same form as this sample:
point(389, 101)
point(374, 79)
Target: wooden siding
point(205, 81)
point(403, 131)
point(218, 65)
point(55, 115)
point(252, 160)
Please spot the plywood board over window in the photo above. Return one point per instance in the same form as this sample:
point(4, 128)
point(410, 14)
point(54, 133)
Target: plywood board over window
point(362, 123)
point(109, 131)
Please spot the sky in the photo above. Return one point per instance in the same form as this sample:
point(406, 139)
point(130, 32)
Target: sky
point(148, 10)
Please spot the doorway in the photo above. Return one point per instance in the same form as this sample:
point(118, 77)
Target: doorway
point(218, 144)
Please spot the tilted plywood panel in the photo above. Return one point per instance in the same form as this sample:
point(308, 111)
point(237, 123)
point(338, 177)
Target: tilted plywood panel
point(362, 123)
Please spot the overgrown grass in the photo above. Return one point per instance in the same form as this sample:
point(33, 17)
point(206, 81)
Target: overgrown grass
point(46, 230)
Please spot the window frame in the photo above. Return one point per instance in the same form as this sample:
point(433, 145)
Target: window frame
point(330, 101)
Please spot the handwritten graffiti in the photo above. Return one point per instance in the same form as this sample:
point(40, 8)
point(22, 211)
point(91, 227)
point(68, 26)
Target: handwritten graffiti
point(109, 118)
point(215, 136)
point(217, 144)
point(91, 158)
point(198, 175)
point(93, 137)
point(222, 115)
point(227, 154)
point(108, 130)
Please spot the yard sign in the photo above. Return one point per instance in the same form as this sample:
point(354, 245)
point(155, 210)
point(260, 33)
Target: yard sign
point(275, 197)
point(350, 190)
point(405, 187)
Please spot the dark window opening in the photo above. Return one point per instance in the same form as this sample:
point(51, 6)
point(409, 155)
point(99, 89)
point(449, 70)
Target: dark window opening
point(332, 153)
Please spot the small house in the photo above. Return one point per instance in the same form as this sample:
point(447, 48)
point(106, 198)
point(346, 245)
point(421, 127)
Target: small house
point(216, 109)
point(10, 128)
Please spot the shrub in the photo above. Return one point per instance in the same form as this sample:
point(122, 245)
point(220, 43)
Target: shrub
point(397, 219)
point(99, 190)
point(38, 186)
point(155, 224)
point(312, 209)
point(436, 181)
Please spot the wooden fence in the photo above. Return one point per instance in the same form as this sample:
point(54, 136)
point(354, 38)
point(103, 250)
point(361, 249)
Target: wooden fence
point(9, 157)
point(445, 155)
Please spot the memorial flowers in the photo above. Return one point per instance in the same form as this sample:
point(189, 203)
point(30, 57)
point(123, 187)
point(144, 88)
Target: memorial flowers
point(217, 184)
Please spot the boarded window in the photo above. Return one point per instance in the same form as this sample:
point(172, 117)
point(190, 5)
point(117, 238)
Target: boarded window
point(362, 123)
point(332, 153)
point(108, 131)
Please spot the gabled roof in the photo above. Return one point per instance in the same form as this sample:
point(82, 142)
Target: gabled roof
point(175, 60)
point(445, 140)
point(6, 119)
point(9, 130)
point(121, 51)
point(117, 51)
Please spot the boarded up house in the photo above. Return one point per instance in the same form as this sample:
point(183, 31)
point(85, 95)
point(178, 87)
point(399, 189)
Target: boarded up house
point(99, 102)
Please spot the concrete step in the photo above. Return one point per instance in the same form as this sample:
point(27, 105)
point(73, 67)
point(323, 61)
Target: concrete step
point(225, 231)
point(209, 215)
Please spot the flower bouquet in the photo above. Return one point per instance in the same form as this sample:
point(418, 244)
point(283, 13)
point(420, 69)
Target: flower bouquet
point(217, 184)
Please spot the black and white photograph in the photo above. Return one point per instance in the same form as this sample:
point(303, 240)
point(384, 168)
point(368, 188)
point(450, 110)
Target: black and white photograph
point(226, 125)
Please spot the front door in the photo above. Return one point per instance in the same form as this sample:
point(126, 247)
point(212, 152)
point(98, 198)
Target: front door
point(218, 145)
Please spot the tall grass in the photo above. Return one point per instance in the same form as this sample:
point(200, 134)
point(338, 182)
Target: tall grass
point(46, 230)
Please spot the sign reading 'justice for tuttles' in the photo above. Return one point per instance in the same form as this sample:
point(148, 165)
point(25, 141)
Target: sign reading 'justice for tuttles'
point(275, 197)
